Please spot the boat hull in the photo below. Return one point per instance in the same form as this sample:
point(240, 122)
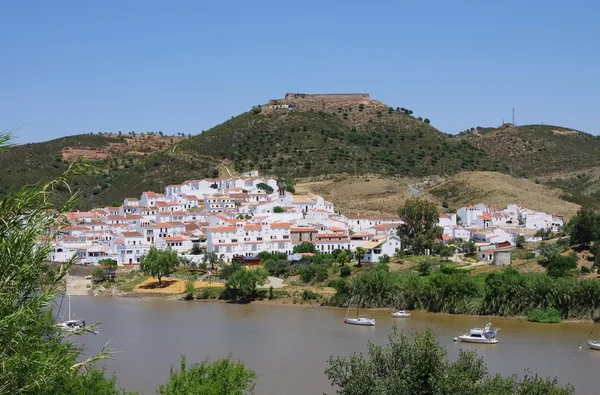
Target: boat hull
point(594, 345)
point(400, 315)
point(360, 321)
point(469, 339)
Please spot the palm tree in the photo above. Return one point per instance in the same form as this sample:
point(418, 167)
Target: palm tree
point(360, 254)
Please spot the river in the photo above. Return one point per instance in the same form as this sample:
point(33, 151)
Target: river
point(289, 346)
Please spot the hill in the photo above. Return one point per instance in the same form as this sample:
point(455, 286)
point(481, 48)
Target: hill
point(125, 165)
point(498, 190)
point(534, 150)
point(325, 137)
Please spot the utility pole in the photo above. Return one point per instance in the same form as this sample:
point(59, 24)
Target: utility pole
point(513, 116)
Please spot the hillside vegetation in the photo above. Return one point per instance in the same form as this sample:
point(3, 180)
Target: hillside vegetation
point(125, 165)
point(498, 190)
point(351, 139)
point(532, 150)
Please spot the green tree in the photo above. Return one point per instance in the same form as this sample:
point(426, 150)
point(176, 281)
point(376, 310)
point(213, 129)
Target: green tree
point(424, 268)
point(196, 250)
point(278, 210)
point(420, 365)
point(447, 252)
point(158, 263)
point(562, 266)
point(563, 243)
point(99, 274)
point(35, 357)
point(419, 230)
point(256, 109)
point(244, 282)
point(343, 258)
point(550, 251)
point(190, 288)
point(230, 269)
point(427, 121)
point(109, 266)
point(359, 254)
point(266, 188)
point(277, 267)
point(210, 257)
point(221, 377)
point(584, 227)
point(345, 271)
point(520, 241)
point(304, 247)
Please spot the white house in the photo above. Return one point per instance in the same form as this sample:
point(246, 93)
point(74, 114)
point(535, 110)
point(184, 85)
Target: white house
point(380, 246)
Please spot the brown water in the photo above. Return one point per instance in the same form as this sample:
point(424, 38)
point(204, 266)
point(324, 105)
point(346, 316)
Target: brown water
point(289, 346)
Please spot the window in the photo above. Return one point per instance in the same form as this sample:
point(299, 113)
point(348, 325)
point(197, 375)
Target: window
point(234, 240)
point(286, 237)
point(259, 239)
point(281, 246)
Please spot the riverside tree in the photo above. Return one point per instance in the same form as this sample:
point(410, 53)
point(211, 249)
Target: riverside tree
point(419, 365)
point(158, 263)
point(221, 377)
point(244, 281)
point(584, 227)
point(419, 231)
point(36, 358)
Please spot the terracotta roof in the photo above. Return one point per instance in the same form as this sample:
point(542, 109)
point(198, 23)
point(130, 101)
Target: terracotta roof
point(302, 230)
point(280, 225)
point(132, 234)
point(223, 229)
point(252, 227)
point(174, 238)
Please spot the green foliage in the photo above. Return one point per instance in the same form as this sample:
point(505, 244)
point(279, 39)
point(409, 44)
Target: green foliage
point(562, 266)
point(424, 268)
point(230, 269)
point(256, 109)
point(190, 289)
point(419, 230)
point(307, 294)
point(345, 271)
point(359, 254)
point(447, 252)
point(548, 316)
point(304, 247)
point(36, 358)
point(343, 257)
point(266, 188)
point(550, 251)
point(313, 273)
point(158, 263)
point(520, 241)
point(243, 282)
point(99, 274)
point(419, 365)
point(277, 267)
point(584, 227)
point(278, 210)
point(221, 377)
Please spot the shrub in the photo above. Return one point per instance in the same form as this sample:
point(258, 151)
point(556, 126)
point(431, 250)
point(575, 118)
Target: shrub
point(550, 315)
point(345, 271)
point(310, 295)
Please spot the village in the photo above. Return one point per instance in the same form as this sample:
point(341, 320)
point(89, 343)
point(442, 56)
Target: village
point(241, 217)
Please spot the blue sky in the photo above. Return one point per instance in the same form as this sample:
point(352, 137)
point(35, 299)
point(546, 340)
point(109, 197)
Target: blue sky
point(72, 67)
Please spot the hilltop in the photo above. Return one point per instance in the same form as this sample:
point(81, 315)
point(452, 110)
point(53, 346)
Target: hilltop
point(309, 135)
point(532, 150)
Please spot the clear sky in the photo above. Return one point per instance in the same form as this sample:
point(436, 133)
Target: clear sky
point(72, 67)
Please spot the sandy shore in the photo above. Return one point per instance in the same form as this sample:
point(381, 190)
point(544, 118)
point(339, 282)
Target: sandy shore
point(77, 286)
point(170, 286)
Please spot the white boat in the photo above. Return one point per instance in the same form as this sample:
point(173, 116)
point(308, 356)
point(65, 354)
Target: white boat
point(485, 335)
point(360, 321)
point(594, 344)
point(400, 314)
point(71, 325)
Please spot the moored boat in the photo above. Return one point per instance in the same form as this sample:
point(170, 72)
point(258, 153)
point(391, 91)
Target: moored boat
point(360, 321)
point(594, 344)
point(400, 314)
point(485, 335)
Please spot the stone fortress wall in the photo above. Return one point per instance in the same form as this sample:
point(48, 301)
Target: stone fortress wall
point(321, 100)
point(328, 97)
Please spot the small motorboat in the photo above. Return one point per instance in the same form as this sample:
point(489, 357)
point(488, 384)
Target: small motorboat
point(594, 344)
point(72, 325)
point(485, 335)
point(400, 314)
point(360, 321)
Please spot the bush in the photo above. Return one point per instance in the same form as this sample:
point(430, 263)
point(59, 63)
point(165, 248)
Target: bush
point(345, 271)
point(99, 274)
point(585, 270)
point(547, 316)
point(310, 295)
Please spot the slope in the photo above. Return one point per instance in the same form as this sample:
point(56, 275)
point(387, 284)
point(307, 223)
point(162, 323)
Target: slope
point(498, 190)
point(124, 165)
point(532, 150)
point(352, 139)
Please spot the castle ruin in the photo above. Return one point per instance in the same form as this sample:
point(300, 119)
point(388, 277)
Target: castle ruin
point(305, 101)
